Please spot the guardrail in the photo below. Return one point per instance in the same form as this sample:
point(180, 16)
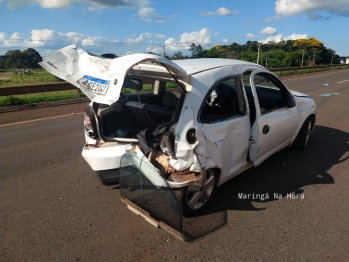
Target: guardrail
point(36, 88)
point(283, 69)
point(60, 86)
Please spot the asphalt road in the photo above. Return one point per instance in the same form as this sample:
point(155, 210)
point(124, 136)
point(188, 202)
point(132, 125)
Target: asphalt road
point(53, 207)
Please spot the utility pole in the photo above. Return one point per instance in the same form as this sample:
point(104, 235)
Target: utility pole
point(314, 57)
point(303, 57)
point(163, 50)
point(259, 48)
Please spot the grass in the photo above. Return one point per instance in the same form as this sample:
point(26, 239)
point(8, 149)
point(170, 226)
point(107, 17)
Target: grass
point(305, 71)
point(149, 87)
point(30, 99)
point(10, 78)
point(41, 75)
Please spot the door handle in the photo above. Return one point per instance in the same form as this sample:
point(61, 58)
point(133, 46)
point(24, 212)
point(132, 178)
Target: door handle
point(266, 129)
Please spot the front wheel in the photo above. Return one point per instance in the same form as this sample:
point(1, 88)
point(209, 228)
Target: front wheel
point(195, 198)
point(302, 138)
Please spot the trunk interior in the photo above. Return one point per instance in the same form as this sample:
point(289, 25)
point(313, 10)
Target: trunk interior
point(136, 112)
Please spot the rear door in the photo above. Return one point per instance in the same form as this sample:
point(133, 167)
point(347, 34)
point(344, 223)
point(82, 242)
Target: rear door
point(226, 127)
point(275, 124)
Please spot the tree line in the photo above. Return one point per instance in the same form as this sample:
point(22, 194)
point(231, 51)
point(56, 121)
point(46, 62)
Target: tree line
point(20, 59)
point(286, 53)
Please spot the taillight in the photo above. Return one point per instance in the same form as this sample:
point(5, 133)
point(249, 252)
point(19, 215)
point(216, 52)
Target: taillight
point(88, 125)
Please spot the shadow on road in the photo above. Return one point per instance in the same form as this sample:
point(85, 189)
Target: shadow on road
point(286, 172)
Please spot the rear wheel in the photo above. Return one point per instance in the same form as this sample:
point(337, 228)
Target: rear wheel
point(302, 138)
point(195, 198)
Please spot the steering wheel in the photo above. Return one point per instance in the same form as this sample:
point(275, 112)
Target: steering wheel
point(217, 96)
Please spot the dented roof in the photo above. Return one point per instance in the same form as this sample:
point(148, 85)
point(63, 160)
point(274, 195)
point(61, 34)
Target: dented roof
point(193, 66)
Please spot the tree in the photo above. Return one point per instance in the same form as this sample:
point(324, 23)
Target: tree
point(177, 55)
point(196, 50)
point(33, 57)
point(308, 44)
point(233, 55)
point(20, 59)
point(235, 47)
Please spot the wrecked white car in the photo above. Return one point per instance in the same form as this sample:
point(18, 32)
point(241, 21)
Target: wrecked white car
point(219, 117)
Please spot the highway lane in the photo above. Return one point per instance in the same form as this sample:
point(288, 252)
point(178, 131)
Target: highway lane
point(53, 207)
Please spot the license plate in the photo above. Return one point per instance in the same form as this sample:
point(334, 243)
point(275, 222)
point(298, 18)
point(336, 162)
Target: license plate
point(95, 85)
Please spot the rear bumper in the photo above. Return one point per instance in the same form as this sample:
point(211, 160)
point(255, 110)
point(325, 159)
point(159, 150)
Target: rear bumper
point(104, 157)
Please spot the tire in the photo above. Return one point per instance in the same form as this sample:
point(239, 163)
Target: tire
point(302, 138)
point(193, 199)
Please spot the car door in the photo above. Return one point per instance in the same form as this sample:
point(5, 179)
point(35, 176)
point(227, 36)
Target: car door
point(226, 127)
point(275, 123)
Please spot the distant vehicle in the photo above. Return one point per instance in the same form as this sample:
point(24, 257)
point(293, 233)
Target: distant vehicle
point(224, 117)
point(22, 70)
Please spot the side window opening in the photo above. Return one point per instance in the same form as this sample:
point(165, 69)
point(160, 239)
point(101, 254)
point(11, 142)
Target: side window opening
point(223, 101)
point(271, 95)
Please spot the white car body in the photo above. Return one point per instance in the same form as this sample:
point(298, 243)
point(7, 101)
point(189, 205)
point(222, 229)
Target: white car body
point(248, 135)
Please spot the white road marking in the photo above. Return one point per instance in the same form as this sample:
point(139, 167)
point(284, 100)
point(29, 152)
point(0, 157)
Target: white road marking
point(40, 119)
point(342, 81)
point(330, 94)
point(310, 76)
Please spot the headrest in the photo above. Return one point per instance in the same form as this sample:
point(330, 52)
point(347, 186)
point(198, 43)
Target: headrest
point(135, 84)
point(171, 99)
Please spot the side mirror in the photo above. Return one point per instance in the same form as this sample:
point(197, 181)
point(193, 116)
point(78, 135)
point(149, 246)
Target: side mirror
point(291, 102)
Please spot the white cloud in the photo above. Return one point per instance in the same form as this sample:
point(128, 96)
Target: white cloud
point(278, 38)
point(54, 3)
point(249, 35)
point(149, 14)
point(10, 41)
point(268, 31)
point(146, 12)
point(93, 4)
point(270, 19)
point(202, 37)
point(138, 39)
point(160, 36)
point(294, 7)
point(49, 39)
point(12, 4)
point(225, 41)
point(222, 11)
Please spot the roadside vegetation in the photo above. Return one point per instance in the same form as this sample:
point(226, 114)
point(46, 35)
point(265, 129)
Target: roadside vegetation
point(32, 76)
point(21, 67)
point(286, 53)
point(31, 99)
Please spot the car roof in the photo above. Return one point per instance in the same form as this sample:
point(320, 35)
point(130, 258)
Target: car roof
point(193, 66)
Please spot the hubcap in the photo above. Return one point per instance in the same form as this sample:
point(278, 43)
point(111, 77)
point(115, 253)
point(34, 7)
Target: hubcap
point(198, 198)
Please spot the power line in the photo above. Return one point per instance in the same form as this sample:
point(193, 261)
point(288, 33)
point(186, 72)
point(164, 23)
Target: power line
point(96, 42)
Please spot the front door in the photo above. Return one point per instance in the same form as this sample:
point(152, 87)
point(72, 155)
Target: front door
point(275, 123)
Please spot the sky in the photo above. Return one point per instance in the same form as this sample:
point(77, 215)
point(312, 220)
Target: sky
point(131, 26)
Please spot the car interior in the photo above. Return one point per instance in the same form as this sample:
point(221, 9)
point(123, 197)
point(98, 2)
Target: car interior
point(135, 111)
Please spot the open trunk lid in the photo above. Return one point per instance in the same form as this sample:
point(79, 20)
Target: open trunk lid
point(101, 79)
